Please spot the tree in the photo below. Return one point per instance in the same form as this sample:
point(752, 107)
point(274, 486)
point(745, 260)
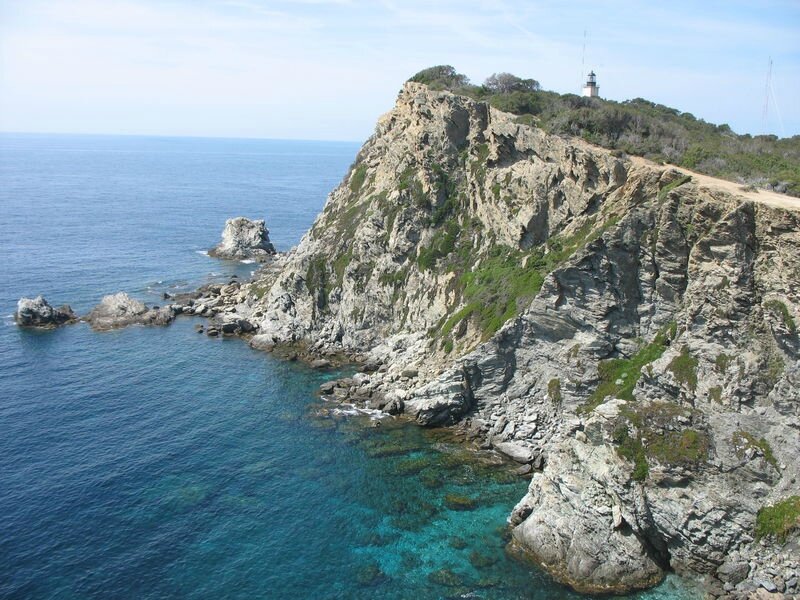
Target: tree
point(441, 76)
point(505, 83)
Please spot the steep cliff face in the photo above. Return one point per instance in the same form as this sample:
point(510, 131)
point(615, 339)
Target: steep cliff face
point(630, 333)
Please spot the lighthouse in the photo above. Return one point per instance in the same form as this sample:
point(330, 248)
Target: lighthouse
point(591, 89)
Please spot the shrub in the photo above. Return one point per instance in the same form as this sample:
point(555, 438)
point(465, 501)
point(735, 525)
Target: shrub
point(554, 390)
point(783, 311)
point(779, 519)
point(357, 179)
point(684, 368)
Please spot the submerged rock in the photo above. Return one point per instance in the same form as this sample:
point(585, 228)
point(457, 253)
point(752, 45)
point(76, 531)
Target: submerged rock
point(243, 238)
point(120, 310)
point(37, 312)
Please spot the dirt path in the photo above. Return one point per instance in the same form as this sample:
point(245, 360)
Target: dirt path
point(706, 181)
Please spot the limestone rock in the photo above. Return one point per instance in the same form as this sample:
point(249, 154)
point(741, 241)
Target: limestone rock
point(244, 238)
point(36, 312)
point(120, 310)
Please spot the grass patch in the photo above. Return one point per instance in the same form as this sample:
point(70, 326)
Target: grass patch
point(631, 448)
point(619, 376)
point(722, 362)
point(662, 193)
point(687, 447)
point(684, 368)
point(442, 244)
point(554, 390)
point(783, 312)
point(357, 180)
point(779, 519)
point(742, 441)
point(507, 279)
point(317, 281)
point(716, 394)
point(655, 432)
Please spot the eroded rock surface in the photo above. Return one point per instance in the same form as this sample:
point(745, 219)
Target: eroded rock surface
point(120, 310)
point(37, 312)
point(244, 238)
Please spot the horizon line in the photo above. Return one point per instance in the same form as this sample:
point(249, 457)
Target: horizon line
point(182, 136)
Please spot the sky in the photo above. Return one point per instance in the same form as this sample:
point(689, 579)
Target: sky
point(327, 69)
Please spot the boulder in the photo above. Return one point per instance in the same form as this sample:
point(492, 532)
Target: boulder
point(516, 452)
point(120, 310)
point(36, 312)
point(243, 238)
point(262, 342)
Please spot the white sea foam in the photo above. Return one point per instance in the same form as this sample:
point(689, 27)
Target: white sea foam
point(203, 252)
point(352, 411)
point(247, 261)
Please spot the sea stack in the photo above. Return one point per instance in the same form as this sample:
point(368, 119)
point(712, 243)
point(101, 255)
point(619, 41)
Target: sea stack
point(37, 312)
point(244, 238)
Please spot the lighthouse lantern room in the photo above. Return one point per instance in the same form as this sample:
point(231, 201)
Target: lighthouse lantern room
point(591, 89)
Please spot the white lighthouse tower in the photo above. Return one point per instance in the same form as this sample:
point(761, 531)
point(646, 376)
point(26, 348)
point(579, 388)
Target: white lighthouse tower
point(591, 89)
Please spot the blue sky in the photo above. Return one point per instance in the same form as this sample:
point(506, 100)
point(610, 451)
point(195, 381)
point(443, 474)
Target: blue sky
point(326, 69)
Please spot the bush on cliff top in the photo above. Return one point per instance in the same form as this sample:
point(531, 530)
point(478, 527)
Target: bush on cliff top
point(639, 127)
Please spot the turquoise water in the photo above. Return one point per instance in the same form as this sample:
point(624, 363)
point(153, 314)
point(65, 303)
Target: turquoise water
point(159, 463)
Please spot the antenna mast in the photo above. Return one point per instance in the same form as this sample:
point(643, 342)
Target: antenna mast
point(583, 62)
point(769, 92)
point(767, 88)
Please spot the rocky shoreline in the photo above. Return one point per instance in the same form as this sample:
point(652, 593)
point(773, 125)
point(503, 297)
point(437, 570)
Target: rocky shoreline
point(627, 336)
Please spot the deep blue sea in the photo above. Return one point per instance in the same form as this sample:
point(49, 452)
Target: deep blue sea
point(159, 463)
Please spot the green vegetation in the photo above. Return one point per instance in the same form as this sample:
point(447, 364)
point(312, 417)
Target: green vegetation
point(722, 362)
point(357, 180)
point(442, 244)
point(654, 432)
point(684, 368)
point(662, 193)
point(317, 281)
point(619, 376)
point(779, 519)
point(631, 448)
point(638, 127)
point(506, 279)
point(742, 441)
point(775, 367)
point(687, 447)
point(554, 390)
point(783, 311)
point(716, 394)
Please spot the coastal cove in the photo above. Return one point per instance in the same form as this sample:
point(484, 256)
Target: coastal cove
point(155, 462)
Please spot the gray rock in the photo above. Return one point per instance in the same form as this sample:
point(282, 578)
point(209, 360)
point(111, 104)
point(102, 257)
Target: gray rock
point(262, 342)
point(733, 571)
point(327, 387)
point(120, 310)
point(36, 312)
point(243, 238)
point(515, 451)
point(320, 363)
point(767, 585)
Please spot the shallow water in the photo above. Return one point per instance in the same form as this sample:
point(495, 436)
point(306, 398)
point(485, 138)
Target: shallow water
point(155, 463)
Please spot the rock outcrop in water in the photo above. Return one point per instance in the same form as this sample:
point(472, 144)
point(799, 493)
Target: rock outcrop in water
point(37, 312)
point(120, 310)
point(244, 239)
point(629, 332)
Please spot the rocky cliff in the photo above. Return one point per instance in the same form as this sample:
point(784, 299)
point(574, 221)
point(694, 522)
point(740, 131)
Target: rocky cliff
point(629, 332)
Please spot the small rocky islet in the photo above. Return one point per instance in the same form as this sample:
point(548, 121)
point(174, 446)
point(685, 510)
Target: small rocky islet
point(625, 334)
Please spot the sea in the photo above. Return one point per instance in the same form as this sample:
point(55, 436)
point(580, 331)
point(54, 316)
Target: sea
point(156, 463)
